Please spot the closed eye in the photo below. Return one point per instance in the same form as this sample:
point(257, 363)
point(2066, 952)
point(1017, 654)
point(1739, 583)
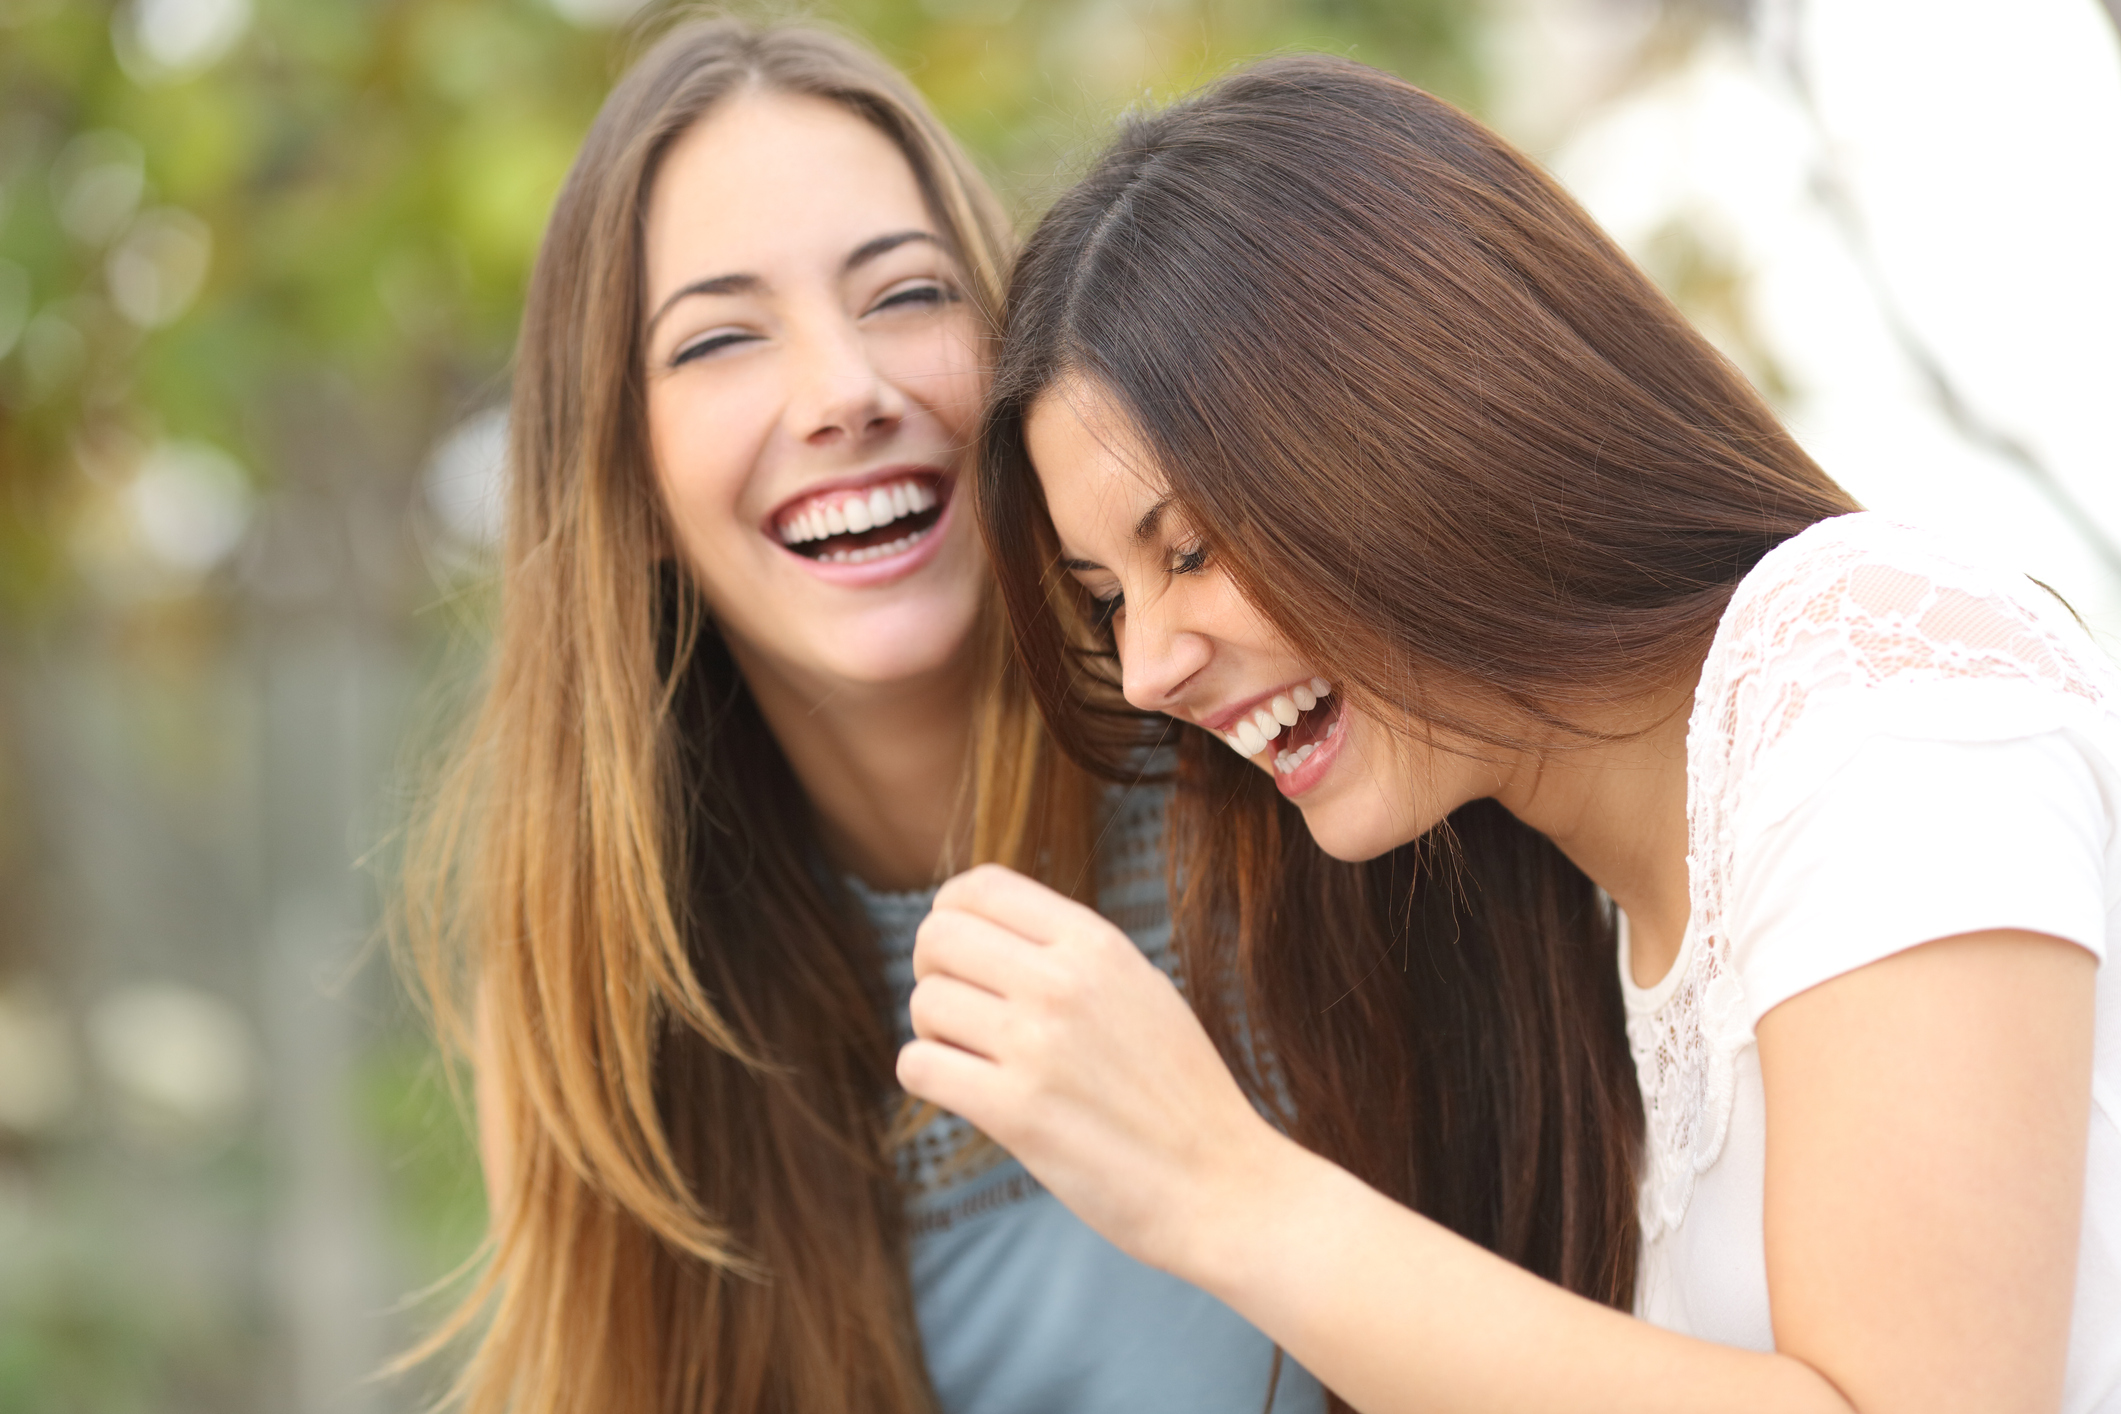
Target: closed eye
point(1104, 611)
point(713, 343)
point(933, 293)
point(1189, 561)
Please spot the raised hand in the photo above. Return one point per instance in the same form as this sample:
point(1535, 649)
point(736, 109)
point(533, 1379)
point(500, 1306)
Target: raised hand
point(1043, 1024)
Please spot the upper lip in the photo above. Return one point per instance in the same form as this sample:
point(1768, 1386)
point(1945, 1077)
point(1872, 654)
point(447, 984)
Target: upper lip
point(856, 482)
point(1228, 717)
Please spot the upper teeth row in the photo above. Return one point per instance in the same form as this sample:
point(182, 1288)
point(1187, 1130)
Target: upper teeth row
point(1251, 735)
point(851, 512)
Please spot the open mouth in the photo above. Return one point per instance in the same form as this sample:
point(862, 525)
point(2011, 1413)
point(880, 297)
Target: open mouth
point(855, 525)
point(1295, 721)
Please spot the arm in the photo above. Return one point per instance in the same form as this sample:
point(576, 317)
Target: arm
point(1927, 1123)
point(1040, 1024)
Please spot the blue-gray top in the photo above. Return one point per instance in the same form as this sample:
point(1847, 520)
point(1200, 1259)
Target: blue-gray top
point(1022, 1307)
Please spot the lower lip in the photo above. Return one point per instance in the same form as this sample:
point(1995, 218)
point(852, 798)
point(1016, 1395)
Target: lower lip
point(1314, 768)
point(871, 573)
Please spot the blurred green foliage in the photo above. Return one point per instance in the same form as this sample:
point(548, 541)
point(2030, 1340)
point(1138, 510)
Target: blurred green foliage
point(372, 177)
point(404, 1106)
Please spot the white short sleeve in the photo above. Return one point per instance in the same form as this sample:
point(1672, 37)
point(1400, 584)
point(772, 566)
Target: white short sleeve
point(1911, 841)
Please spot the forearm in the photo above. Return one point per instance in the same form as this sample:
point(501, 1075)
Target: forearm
point(1396, 1313)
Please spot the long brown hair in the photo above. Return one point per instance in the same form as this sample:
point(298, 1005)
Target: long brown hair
point(683, 1013)
point(1441, 432)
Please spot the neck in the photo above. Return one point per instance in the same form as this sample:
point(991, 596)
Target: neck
point(1617, 809)
point(884, 764)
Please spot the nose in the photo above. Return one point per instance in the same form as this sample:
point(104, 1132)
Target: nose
point(840, 396)
point(1158, 656)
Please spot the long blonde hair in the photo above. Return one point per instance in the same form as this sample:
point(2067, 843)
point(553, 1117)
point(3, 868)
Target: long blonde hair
point(619, 886)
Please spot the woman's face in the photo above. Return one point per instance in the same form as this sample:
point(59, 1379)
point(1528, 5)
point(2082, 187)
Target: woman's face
point(1192, 646)
point(813, 381)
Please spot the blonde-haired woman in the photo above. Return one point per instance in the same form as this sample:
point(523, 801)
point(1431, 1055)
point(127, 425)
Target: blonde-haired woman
point(745, 654)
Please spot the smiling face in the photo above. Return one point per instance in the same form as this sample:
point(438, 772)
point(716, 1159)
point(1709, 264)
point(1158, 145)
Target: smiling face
point(813, 382)
point(1192, 646)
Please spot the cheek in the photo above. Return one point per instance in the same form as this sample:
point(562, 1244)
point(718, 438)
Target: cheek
point(704, 453)
point(1233, 619)
point(942, 372)
point(1391, 792)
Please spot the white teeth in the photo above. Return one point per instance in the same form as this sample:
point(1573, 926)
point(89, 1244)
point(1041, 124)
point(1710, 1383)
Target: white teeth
point(1321, 688)
point(1251, 738)
point(1284, 711)
point(1302, 698)
point(1287, 761)
point(1264, 721)
point(874, 552)
point(1230, 740)
point(858, 512)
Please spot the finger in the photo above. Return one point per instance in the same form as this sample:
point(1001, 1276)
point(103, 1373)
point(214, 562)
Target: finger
point(962, 1015)
point(1020, 904)
point(973, 949)
point(964, 1084)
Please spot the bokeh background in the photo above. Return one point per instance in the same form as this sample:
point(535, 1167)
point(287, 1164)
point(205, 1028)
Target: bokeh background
point(261, 263)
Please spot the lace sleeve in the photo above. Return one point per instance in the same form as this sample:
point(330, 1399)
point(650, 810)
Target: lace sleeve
point(1857, 628)
point(1864, 627)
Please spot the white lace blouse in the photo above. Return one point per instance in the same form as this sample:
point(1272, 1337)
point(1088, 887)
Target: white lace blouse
point(1891, 743)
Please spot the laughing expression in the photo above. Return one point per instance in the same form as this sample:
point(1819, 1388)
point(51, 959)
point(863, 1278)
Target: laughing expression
point(813, 382)
point(1193, 647)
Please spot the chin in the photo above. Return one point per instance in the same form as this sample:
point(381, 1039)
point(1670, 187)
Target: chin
point(1356, 830)
point(909, 641)
point(1350, 843)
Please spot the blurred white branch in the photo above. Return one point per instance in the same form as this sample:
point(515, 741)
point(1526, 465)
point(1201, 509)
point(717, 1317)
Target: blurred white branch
point(1781, 33)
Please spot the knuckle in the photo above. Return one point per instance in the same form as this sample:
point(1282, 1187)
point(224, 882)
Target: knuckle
point(1064, 991)
point(932, 937)
point(920, 1006)
point(912, 1067)
point(974, 881)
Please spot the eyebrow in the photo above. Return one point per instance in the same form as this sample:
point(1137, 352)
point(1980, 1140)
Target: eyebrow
point(1144, 531)
point(750, 284)
point(884, 245)
point(1145, 528)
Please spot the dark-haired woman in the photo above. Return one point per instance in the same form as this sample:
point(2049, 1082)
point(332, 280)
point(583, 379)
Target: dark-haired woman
point(1615, 728)
point(746, 661)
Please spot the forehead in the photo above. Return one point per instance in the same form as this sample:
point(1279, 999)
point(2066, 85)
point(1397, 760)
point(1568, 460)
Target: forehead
point(1097, 473)
point(768, 178)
